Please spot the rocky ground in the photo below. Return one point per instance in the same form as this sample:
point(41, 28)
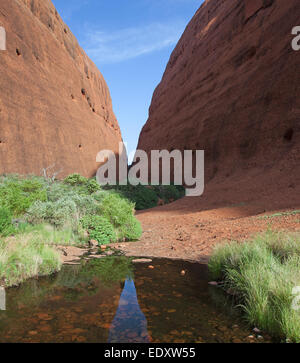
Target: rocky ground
point(190, 228)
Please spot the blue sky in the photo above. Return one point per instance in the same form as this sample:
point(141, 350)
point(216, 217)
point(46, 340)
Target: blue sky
point(131, 42)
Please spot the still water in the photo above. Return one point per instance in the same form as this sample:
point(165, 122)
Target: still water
point(113, 300)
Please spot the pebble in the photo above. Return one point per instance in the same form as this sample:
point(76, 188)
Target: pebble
point(43, 316)
point(142, 260)
point(256, 330)
point(45, 328)
point(213, 283)
point(183, 273)
point(151, 267)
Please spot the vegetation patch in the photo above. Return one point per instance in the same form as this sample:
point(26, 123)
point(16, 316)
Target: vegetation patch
point(262, 275)
point(146, 197)
point(6, 226)
point(25, 257)
point(18, 193)
point(99, 229)
point(37, 214)
point(282, 214)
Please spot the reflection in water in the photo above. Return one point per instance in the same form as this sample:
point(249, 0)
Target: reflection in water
point(129, 323)
point(90, 303)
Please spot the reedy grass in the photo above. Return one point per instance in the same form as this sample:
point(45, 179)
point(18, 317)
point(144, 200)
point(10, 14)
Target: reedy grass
point(262, 274)
point(24, 257)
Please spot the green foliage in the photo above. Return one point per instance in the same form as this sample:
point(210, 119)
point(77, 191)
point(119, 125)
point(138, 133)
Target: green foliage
point(92, 186)
point(75, 179)
point(143, 197)
point(58, 191)
point(99, 229)
point(116, 209)
point(63, 204)
point(146, 197)
point(131, 230)
point(6, 226)
point(120, 212)
point(27, 257)
point(50, 235)
point(282, 214)
point(87, 186)
point(109, 270)
point(169, 193)
point(57, 213)
point(65, 211)
point(262, 273)
point(18, 194)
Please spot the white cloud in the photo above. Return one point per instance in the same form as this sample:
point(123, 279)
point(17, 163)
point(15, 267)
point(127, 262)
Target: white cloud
point(104, 47)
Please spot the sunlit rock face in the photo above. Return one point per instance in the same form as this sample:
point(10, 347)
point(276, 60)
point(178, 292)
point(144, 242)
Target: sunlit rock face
point(231, 88)
point(55, 107)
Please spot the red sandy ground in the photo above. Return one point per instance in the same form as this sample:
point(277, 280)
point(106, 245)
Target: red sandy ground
point(231, 209)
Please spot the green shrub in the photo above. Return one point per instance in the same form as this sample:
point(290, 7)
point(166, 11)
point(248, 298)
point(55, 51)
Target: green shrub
point(75, 179)
point(6, 226)
point(131, 230)
point(120, 212)
point(86, 205)
point(116, 209)
point(56, 213)
point(99, 229)
point(169, 193)
point(146, 197)
point(262, 274)
point(142, 196)
point(58, 191)
point(18, 194)
point(67, 210)
point(92, 186)
point(84, 185)
point(100, 195)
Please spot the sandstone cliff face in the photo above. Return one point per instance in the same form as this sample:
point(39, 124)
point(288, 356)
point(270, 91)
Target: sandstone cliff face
point(55, 107)
point(231, 88)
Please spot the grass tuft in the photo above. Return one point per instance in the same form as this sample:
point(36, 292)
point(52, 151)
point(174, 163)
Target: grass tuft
point(262, 274)
point(26, 257)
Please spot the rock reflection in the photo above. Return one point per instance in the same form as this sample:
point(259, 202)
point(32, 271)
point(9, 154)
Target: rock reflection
point(129, 324)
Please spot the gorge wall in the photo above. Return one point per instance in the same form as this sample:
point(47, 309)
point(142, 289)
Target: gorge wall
point(55, 107)
point(231, 88)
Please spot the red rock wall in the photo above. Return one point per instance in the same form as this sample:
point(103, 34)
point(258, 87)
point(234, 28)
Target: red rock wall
point(231, 88)
point(55, 107)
